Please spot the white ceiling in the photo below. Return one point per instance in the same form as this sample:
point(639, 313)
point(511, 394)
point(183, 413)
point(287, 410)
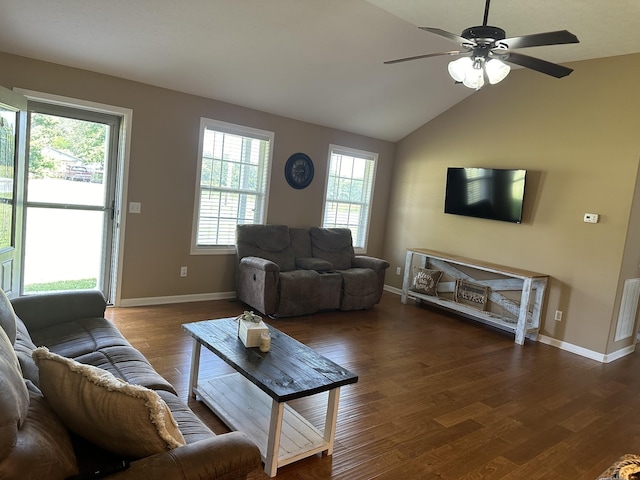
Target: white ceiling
point(319, 61)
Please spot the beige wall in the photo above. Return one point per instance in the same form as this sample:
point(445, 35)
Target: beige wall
point(163, 169)
point(579, 139)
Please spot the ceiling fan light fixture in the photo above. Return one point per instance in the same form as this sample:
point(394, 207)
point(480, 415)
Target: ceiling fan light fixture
point(496, 70)
point(468, 71)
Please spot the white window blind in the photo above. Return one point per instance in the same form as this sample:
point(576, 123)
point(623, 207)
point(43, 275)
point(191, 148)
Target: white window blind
point(233, 179)
point(349, 191)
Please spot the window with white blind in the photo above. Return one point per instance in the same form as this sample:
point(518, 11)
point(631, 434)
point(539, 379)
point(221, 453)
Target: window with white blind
point(349, 191)
point(234, 163)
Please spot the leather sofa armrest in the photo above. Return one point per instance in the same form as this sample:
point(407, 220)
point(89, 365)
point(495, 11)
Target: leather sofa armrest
point(260, 264)
point(363, 261)
point(230, 456)
point(38, 311)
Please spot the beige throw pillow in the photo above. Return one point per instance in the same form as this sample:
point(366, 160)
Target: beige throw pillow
point(426, 281)
point(125, 419)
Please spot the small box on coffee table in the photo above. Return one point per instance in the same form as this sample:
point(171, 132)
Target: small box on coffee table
point(249, 330)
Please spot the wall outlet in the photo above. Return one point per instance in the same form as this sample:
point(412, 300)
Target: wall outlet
point(135, 207)
point(183, 271)
point(398, 270)
point(558, 316)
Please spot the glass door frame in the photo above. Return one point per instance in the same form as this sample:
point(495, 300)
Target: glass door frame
point(120, 169)
point(11, 254)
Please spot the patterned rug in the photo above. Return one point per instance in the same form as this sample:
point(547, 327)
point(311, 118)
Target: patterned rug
point(626, 467)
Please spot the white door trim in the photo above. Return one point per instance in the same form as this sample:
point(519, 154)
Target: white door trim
point(122, 168)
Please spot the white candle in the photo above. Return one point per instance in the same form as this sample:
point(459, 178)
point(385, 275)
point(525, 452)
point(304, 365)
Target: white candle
point(265, 342)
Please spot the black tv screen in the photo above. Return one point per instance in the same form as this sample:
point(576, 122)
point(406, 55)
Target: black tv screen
point(496, 194)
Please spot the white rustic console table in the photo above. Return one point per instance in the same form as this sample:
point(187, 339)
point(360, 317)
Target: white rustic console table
point(520, 316)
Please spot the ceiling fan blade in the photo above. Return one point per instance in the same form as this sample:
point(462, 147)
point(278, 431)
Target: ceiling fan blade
point(417, 57)
point(538, 39)
point(448, 35)
point(537, 64)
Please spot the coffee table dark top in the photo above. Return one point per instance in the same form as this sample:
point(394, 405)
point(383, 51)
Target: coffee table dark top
point(289, 370)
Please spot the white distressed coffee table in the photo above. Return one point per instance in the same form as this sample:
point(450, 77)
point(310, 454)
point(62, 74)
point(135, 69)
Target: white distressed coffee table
point(254, 400)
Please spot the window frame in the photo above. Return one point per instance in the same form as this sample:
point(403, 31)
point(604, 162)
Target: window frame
point(233, 129)
point(356, 153)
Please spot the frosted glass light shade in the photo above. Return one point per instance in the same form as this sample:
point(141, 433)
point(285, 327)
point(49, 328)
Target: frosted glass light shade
point(496, 70)
point(474, 78)
point(458, 68)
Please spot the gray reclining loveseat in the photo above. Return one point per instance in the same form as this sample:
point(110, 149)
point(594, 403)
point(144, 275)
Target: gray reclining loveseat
point(286, 272)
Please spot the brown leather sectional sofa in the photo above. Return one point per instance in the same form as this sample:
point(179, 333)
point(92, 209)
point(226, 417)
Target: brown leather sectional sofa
point(34, 441)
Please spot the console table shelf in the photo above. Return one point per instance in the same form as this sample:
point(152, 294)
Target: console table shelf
point(520, 316)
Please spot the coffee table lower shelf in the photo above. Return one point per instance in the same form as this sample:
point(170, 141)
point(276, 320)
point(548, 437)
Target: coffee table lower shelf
point(244, 407)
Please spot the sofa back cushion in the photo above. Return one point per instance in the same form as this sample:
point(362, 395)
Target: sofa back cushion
point(271, 242)
point(333, 245)
point(43, 310)
point(43, 449)
point(300, 242)
point(7, 317)
point(14, 396)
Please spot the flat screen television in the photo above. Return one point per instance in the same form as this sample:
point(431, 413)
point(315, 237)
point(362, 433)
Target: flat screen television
point(495, 194)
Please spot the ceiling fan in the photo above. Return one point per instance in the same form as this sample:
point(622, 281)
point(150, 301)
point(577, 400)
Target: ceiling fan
point(485, 49)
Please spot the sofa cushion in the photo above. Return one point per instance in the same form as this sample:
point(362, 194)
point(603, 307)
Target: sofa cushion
point(127, 363)
point(300, 242)
point(300, 293)
point(14, 396)
point(42, 310)
point(125, 419)
point(333, 245)
point(7, 317)
point(24, 347)
point(43, 449)
point(266, 241)
point(359, 289)
point(78, 337)
point(191, 427)
point(310, 263)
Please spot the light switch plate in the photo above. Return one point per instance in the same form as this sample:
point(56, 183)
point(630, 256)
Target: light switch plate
point(134, 207)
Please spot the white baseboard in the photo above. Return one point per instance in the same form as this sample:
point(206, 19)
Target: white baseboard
point(390, 289)
point(569, 347)
point(600, 357)
point(200, 297)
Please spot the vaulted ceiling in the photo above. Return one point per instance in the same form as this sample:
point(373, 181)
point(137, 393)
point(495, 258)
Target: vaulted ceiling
point(319, 61)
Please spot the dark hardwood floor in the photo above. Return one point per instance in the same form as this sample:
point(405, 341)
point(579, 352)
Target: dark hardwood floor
point(438, 397)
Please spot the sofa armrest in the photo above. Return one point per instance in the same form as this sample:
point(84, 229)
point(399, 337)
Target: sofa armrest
point(260, 264)
point(257, 284)
point(363, 261)
point(38, 311)
point(230, 456)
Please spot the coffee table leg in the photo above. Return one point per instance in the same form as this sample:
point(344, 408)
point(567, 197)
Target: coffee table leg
point(331, 419)
point(273, 440)
point(195, 367)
